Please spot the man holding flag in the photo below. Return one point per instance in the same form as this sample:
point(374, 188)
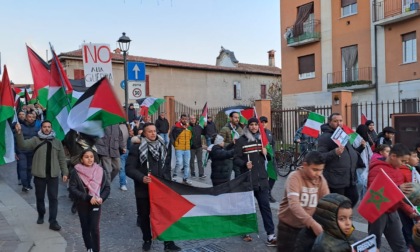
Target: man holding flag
point(272, 143)
point(251, 155)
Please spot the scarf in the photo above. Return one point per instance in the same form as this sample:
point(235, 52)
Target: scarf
point(235, 134)
point(91, 178)
point(50, 136)
point(157, 149)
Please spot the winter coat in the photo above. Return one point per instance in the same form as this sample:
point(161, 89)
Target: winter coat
point(372, 137)
point(79, 191)
point(197, 131)
point(39, 163)
point(382, 140)
point(162, 125)
point(111, 143)
point(221, 164)
point(28, 131)
point(259, 174)
point(210, 129)
point(340, 171)
point(181, 137)
point(226, 133)
point(137, 171)
point(332, 239)
point(131, 114)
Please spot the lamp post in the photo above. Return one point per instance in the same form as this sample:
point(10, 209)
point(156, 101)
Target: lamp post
point(124, 45)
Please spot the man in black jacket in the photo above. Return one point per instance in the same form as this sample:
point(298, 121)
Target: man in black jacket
point(148, 154)
point(341, 161)
point(210, 130)
point(196, 147)
point(162, 127)
point(250, 155)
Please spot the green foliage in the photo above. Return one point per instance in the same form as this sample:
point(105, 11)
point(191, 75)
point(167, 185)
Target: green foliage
point(349, 84)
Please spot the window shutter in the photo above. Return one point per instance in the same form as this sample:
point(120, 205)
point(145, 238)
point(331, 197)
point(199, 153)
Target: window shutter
point(345, 3)
point(263, 91)
point(78, 74)
point(307, 64)
point(408, 36)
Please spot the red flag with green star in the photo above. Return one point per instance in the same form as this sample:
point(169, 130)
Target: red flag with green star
point(381, 196)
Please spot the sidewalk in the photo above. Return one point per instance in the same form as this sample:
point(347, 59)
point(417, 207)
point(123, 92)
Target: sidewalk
point(18, 229)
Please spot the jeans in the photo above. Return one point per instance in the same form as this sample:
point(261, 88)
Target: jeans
point(183, 161)
point(24, 165)
point(165, 138)
point(51, 186)
point(199, 154)
point(208, 141)
point(263, 203)
point(123, 159)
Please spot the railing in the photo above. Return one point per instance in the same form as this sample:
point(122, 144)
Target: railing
point(391, 8)
point(350, 77)
point(311, 33)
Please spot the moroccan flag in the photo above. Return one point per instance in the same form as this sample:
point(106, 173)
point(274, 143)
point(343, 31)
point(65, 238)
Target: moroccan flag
point(149, 105)
point(203, 116)
point(381, 196)
point(313, 124)
point(96, 109)
point(181, 212)
point(363, 119)
point(40, 76)
point(353, 136)
point(7, 145)
point(58, 105)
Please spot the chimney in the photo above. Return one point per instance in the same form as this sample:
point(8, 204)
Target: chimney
point(117, 51)
point(271, 59)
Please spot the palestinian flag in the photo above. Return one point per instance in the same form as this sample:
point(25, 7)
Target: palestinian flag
point(40, 76)
point(363, 119)
point(149, 105)
point(244, 112)
point(96, 109)
point(313, 124)
point(201, 213)
point(27, 97)
point(7, 112)
point(353, 136)
point(203, 116)
point(381, 196)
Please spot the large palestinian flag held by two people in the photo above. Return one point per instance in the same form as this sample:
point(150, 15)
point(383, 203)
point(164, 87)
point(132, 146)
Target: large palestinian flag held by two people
point(96, 109)
point(7, 112)
point(381, 196)
point(181, 212)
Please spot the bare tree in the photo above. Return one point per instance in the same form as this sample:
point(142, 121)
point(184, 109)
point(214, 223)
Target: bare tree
point(274, 93)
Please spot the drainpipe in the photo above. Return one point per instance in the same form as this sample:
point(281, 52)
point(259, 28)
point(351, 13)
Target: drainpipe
point(375, 73)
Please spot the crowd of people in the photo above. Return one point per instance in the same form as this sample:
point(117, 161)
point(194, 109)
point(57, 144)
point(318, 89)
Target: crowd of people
point(315, 211)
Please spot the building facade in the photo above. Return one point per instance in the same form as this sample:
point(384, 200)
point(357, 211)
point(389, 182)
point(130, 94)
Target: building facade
point(368, 47)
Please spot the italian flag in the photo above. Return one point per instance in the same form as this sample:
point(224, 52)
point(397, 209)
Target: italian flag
point(313, 124)
point(7, 112)
point(149, 105)
point(203, 116)
point(181, 212)
point(96, 109)
point(353, 136)
point(40, 76)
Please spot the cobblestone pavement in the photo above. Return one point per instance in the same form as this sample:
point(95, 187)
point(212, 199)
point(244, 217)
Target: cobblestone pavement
point(118, 221)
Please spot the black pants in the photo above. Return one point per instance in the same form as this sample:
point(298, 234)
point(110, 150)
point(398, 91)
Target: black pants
point(51, 186)
point(90, 216)
point(350, 192)
point(286, 237)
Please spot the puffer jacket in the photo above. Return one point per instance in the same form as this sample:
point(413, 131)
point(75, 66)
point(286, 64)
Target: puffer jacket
point(28, 130)
point(332, 239)
point(181, 137)
point(340, 171)
point(249, 141)
point(221, 164)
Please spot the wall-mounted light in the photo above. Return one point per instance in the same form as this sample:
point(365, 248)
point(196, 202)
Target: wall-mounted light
point(336, 100)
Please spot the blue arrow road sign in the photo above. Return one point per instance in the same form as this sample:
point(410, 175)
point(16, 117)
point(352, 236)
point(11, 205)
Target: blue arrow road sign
point(136, 71)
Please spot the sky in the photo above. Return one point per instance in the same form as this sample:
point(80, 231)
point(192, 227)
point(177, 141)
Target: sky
point(182, 30)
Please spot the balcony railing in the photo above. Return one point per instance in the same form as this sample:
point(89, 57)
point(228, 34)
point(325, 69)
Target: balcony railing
point(352, 77)
point(392, 11)
point(311, 33)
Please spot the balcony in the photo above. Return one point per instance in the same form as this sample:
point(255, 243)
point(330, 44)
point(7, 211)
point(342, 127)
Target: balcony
point(392, 11)
point(351, 79)
point(311, 33)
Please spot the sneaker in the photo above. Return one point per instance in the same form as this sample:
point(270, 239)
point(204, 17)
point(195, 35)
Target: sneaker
point(187, 182)
point(40, 220)
point(25, 189)
point(272, 242)
point(192, 174)
point(170, 246)
point(123, 188)
point(174, 179)
point(271, 199)
point(54, 226)
point(147, 245)
point(30, 187)
point(202, 176)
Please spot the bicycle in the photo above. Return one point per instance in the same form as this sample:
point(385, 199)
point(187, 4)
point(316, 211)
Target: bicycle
point(288, 161)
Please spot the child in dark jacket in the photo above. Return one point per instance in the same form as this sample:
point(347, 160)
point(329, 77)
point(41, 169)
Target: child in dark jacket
point(221, 165)
point(90, 188)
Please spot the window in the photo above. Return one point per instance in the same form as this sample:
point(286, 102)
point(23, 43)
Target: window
point(409, 105)
point(304, 17)
point(348, 7)
point(237, 91)
point(306, 67)
point(350, 63)
point(263, 91)
point(409, 47)
point(78, 74)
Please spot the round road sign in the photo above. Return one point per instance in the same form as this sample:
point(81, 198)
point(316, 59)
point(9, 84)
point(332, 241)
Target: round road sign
point(137, 92)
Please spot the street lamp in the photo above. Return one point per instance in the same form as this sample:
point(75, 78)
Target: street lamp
point(124, 45)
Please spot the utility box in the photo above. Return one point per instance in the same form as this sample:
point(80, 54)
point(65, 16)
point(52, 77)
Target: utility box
point(407, 127)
